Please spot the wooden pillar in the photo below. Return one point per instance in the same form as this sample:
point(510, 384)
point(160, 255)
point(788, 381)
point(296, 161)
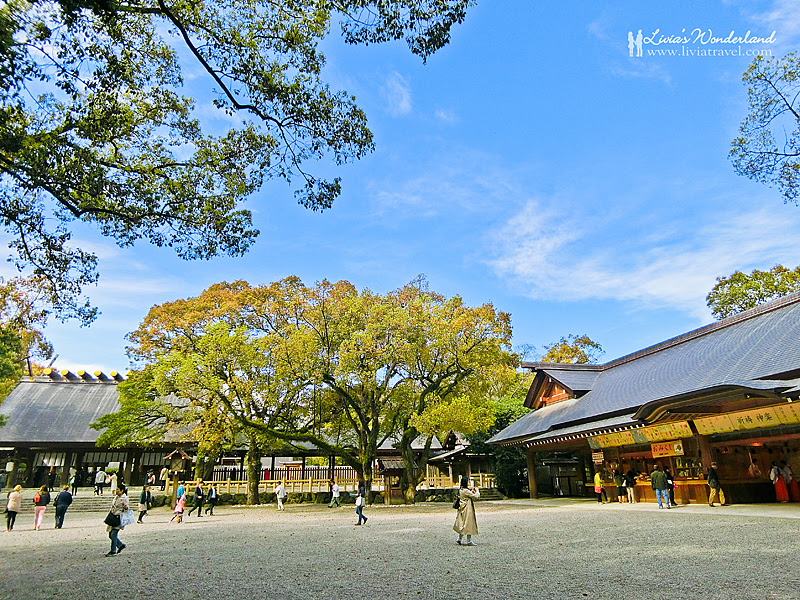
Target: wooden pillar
point(303, 468)
point(272, 468)
point(532, 486)
point(705, 451)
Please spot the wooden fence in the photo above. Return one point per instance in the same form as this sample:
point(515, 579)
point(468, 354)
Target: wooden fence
point(312, 485)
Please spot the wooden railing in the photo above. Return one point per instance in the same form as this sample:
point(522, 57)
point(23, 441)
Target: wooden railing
point(312, 485)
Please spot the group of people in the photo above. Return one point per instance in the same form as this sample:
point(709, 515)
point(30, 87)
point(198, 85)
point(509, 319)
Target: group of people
point(785, 482)
point(202, 496)
point(41, 501)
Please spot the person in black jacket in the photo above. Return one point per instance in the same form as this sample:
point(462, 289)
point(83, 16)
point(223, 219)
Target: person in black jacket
point(41, 500)
point(212, 498)
point(63, 500)
point(199, 498)
point(144, 503)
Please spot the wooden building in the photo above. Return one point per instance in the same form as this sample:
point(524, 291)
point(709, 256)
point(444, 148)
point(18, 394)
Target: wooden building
point(47, 431)
point(728, 392)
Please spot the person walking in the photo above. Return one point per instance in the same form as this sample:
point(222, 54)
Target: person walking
point(630, 485)
point(62, 502)
point(280, 494)
point(776, 476)
point(177, 512)
point(212, 496)
point(145, 499)
point(40, 500)
point(670, 486)
point(361, 499)
point(113, 479)
point(13, 506)
point(118, 506)
point(715, 489)
point(466, 524)
point(3, 478)
point(335, 499)
point(99, 481)
point(199, 498)
point(658, 480)
point(74, 481)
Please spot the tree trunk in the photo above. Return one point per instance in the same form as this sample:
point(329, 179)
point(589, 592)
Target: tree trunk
point(253, 471)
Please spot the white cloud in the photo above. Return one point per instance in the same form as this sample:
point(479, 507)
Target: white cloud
point(639, 68)
point(447, 116)
point(397, 94)
point(783, 17)
point(549, 255)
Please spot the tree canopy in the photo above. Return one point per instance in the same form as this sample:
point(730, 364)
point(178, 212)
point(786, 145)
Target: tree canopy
point(768, 147)
point(327, 365)
point(95, 125)
point(576, 349)
point(739, 292)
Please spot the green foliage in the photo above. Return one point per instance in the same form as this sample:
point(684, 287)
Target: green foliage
point(510, 463)
point(95, 126)
point(326, 365)
point(739, 292)
point(575, 349)
point(768, 147)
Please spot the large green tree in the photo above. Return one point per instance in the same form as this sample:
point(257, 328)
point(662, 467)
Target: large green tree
point(576, 349)
point(739, 291)
point(96, 127)
point(767, 149)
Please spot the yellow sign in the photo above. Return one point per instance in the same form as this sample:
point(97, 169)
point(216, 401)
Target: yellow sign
point(674, 448)
point(770, 416)
point(644, 435)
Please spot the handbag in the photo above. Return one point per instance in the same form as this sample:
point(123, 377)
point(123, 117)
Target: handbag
point(456, 502)
point(126, 518)
point(112, 520)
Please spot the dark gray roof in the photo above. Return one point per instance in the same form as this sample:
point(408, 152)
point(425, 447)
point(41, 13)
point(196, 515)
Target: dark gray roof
point(575, 380)
point(762, 343)
point(56, 411)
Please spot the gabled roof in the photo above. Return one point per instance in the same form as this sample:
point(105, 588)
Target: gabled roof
point(742, 351)
point(577, 379)
point(57, 412)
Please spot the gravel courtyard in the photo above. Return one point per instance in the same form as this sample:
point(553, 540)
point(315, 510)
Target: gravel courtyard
point(527, 549)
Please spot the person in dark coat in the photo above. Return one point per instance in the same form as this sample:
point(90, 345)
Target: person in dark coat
point(199, 498)
point(714, 486)
point(212, 497)
point(145, 500)
point(63, 500)
point(659, 482)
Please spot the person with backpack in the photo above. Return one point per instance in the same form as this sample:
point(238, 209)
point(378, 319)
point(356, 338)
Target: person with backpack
point(62, 502)
point(40, 500)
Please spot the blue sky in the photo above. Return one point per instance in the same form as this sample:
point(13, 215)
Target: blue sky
point(532, 163)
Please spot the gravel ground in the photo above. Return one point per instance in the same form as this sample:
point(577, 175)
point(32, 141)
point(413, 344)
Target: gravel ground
point(526, 549)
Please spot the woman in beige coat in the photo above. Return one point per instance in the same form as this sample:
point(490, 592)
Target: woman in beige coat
point(13, 507)
point(465, 524)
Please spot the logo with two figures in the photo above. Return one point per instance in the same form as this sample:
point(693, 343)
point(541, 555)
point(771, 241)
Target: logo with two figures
point(635, 43)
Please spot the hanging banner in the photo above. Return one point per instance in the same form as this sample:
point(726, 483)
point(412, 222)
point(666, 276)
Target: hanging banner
point(757, 418)
point(598, 458)
point(642, 435)
point(673, 448)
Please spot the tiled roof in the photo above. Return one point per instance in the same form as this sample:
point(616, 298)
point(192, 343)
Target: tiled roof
point(56, 411)
point(762, 343)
